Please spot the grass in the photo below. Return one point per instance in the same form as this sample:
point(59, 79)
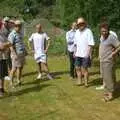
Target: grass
point(58, 99)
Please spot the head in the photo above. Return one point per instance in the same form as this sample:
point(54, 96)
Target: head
point(6, 22)
point(38, 28)
point(81, 23)
point(73, 26)
point(11, 24)
point(18, 25)
point(104, 30)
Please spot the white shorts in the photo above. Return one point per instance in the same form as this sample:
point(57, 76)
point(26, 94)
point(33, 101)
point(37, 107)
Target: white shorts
point(41, 58)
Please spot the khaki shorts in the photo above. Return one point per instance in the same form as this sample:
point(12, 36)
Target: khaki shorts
point(19, 62)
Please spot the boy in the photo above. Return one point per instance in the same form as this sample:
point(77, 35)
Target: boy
point(38, 41)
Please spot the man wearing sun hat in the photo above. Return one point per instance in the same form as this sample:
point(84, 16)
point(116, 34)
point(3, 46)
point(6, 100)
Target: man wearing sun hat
point(83, 43)
point(17, 51)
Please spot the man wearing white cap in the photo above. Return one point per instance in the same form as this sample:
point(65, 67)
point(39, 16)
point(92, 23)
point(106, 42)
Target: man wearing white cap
point(17, 51)
point(83, 44)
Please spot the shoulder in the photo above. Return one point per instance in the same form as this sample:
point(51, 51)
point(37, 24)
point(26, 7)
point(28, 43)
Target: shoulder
point(88, 30)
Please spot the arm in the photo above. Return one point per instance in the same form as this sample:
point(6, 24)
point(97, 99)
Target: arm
point(4, 46)
point(47, 47)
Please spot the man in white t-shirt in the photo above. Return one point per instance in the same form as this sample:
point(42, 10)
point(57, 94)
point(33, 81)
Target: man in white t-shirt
point(40, 49)
point(83, 43)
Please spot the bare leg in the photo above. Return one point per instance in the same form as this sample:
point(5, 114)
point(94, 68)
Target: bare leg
point(79, 75)
point(86, 76)
point(19, 74)
point(12, 73)
point(46, 70)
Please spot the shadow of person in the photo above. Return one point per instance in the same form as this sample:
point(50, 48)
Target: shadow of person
point(36, 88)
point(29, 74)
point(58, 73)
point(96, 82)
point(117, 90)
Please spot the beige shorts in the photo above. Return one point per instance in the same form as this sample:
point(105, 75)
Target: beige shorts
point(19, 62)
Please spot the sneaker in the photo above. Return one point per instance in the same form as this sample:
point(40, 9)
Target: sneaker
point(100, 87)
point(7, 78)
point(39, 76)
point(49, 77)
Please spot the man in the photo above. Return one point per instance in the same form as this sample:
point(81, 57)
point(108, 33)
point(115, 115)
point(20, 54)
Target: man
point(4, 45)
point(17, 51)
point(109, 47)
point(102, 87)
point(83, 44)
point(70, 46)
point(38, 41)
point(5, 31)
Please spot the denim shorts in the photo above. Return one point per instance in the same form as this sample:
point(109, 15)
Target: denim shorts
point(82, 62)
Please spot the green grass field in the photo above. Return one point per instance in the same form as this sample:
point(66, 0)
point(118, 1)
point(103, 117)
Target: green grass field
point(58, 99)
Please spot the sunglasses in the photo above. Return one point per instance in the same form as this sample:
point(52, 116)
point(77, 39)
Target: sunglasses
point(17, 25)
point(81, 24)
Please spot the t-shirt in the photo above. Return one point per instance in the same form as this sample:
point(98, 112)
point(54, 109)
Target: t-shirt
point(70, 36)
point(16, 39)
point(38, 40)
point(83, 39)
point(106, 47)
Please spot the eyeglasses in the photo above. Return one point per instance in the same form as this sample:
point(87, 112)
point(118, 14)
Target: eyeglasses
point(81, 24)
point(17, 25)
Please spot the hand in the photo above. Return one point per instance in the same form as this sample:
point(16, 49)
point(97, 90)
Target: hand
point(74, 55)
point(15, 57)
point(46, 51)
point(113, 54)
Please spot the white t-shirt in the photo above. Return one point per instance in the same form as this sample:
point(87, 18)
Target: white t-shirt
point(70, 40)
point(83, 39)
point(38, 40)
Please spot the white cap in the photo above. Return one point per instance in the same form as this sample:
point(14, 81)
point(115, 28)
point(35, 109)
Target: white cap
point(18, 22)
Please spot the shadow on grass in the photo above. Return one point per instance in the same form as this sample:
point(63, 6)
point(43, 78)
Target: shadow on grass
point(36, 88)
point(96, 82)
point(23, 91)
point(56, 75)
point(29, 74)
point(94, 73)
point(117, 91)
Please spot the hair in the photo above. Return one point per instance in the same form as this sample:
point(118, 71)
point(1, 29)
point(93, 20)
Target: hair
point(104, 25)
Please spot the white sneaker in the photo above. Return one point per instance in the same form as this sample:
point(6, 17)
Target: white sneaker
point(7, 78)
point(39, 76)
point(100, 87)
point(49, 77)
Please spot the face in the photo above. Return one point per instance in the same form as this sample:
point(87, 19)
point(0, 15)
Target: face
point(74, 26)
point(104, 32)
point(38, 28)
point(18, 28)
point(81, 24)
point(11, 25)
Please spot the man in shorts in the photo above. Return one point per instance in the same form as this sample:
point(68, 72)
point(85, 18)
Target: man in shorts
point(38, 41)
point(4, 45)
point(83, 46)
point(17, 51)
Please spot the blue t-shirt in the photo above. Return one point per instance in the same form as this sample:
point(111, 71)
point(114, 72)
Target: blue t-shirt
point(16, 39)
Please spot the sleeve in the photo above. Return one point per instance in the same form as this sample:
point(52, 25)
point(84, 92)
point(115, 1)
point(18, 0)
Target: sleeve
point(90, 38)
point(31, 38)
point(115, 42)
point(46, 36)
point(75, 40)
point(67, 37)
point(11, 38)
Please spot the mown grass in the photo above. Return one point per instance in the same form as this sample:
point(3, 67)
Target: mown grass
point(58, 99)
